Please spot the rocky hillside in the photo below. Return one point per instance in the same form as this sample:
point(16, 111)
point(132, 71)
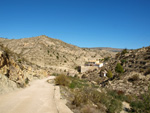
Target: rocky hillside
point(21, 60)
point(52, 53)
point(131, 71)
point(133, 60)
point(15, 72)
point(128, 72)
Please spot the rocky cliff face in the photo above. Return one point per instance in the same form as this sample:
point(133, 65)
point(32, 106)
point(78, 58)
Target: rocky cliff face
point(16, 73)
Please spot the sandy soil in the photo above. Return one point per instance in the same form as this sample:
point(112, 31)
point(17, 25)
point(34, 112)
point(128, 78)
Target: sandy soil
point(39, 97)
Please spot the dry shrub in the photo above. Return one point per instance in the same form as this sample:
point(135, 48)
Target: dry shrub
point(95, 96)
point(80, 97)
point(62, 80)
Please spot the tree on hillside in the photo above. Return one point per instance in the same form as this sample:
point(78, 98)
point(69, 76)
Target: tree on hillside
point(109, 74)
point(124, 51)
point(119, 68)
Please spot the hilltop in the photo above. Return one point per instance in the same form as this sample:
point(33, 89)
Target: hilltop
point(52, 53)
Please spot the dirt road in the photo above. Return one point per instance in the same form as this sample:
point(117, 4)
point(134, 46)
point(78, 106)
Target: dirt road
point(39, 97)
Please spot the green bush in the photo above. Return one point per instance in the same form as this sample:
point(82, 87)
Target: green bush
point(62, 80)
point(109, 74)
point(119, 68)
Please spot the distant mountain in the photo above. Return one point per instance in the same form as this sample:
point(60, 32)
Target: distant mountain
point(108, 49)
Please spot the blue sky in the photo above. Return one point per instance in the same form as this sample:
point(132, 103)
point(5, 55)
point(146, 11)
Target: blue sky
point(85, 23)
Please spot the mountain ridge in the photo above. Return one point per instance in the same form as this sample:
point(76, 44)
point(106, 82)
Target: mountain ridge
point(52, 53)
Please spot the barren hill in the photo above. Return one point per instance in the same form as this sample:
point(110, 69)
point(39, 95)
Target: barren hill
point(49, 52)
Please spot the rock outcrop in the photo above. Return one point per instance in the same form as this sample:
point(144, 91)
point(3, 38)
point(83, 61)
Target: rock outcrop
point(14, 73)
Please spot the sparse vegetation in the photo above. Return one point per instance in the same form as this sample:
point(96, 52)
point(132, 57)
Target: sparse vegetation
point(100, 99)
point(80, 97)
point(119, 95)
point(115, 106)
point(85, 94)
point(142, 103)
